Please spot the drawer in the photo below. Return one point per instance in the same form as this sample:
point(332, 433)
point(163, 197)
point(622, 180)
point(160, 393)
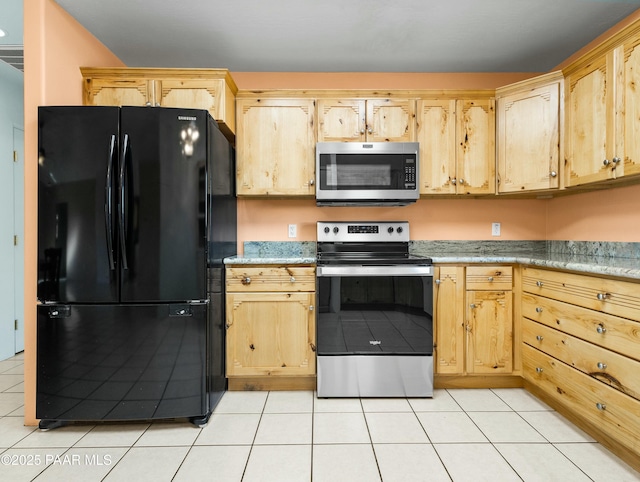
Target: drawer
point(489, 278)
point(611, 411)
point(608, 331)
point(620, 298)
point(271, 278)
point(615, 370)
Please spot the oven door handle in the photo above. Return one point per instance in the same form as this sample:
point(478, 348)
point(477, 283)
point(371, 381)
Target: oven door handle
point(380, 270)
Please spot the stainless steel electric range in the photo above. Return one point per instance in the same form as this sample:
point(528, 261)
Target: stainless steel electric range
point(374, 317)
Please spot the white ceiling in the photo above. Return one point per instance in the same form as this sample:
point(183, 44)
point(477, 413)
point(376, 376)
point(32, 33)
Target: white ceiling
point(349, 35)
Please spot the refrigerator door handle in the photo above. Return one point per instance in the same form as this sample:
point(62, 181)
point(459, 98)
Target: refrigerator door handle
point(108, 203)
point(121, 202)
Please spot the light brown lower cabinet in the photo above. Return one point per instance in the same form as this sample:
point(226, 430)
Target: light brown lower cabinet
point(270, 328)
point(473, 308)
point(581, 335)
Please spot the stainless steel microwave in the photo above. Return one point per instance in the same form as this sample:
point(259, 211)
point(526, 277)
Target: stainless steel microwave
point(367, 173)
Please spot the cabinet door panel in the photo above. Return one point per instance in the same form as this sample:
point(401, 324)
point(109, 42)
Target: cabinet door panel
point(449, 326)
point(195, 94)
point(276, 147)
point(270, 334)
point(528, 139)
point(391, 120)
point(489, 332)
point(119, 91)
point(631, 161)
point(436, 134)
point(475, 136)
point(587, 124)
point(341, 120)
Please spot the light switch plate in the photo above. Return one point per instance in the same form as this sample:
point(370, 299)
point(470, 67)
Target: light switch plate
point(495, 229)
point(293, 230)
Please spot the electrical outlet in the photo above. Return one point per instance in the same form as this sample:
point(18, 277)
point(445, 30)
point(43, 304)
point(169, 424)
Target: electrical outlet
point(495, 229)
point(293, 230)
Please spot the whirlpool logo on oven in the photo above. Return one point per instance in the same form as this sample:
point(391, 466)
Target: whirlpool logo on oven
point(375, 342)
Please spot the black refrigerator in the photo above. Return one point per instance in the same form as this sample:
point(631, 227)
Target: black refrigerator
point(136, 210)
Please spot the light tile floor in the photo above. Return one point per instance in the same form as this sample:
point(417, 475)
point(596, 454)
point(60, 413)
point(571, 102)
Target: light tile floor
point(460, 435)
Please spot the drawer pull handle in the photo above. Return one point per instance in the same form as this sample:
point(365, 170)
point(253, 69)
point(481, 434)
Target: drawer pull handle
point(292, 279)
point(538, 370)
point(490, 278)
point(538, 310)
point(246, 280)
point(539, 337)
point(603, 296)
point(601, 406)
point(539, 284)
point(602, 366)
point(601, 329)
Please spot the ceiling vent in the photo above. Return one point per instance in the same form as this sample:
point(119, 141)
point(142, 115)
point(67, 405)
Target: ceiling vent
point(13, 55)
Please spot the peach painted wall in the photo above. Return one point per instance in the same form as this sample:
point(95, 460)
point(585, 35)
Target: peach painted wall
point(55, 46)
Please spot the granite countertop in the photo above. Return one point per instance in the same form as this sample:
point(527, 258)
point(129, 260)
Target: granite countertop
point(596, 258)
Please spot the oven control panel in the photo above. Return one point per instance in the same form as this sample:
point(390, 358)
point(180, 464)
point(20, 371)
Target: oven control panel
point(363, 231)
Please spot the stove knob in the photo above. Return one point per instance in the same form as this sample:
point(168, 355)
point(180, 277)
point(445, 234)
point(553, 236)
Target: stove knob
point(326, 230)
point(399, 229)
point(390, 230)
point(336, 229)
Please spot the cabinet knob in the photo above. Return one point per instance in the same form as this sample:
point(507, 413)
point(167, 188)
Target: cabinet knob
point(311, 182)
point(601, 406)
point(538, 309)
point(246, 280)
point(539, 337)
point(472, 305)
point(539, 284)
point(616, 160)
point(438, 282)
point(538, 370)
point(148, 104)
point(311, 308)
point(490, 278)
point(553, 174)
point(601, 366)
point(606, 162)
point(292, 279)
point(361, 132)
point(454, 181)
point(603, 296)
point(369, 130)
point(461, 181)
point(601, 329)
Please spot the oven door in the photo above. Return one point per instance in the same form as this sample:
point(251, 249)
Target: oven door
point(375, 310)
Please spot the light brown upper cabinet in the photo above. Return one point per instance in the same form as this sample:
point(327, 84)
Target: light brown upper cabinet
point(457, 145)
point(210, 89)
point(373, 120)
point(603, 112)
point(276, 144)
point(529, 138)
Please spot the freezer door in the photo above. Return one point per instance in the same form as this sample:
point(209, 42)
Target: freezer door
point(117, 362)
point(162, 204)
point(77, 155)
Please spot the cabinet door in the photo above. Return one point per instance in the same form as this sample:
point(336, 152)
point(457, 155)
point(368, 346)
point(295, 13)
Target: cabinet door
point(341, 120)
point(631, 160)
point(475, 135)
point(119, 91)
point(195, 94)
point(270, 334)
point(275, 147)
point(436, 133)
point(489, 332)
point(590, 141)
point(391, 120)
point(449, 314)
point(529, 139)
